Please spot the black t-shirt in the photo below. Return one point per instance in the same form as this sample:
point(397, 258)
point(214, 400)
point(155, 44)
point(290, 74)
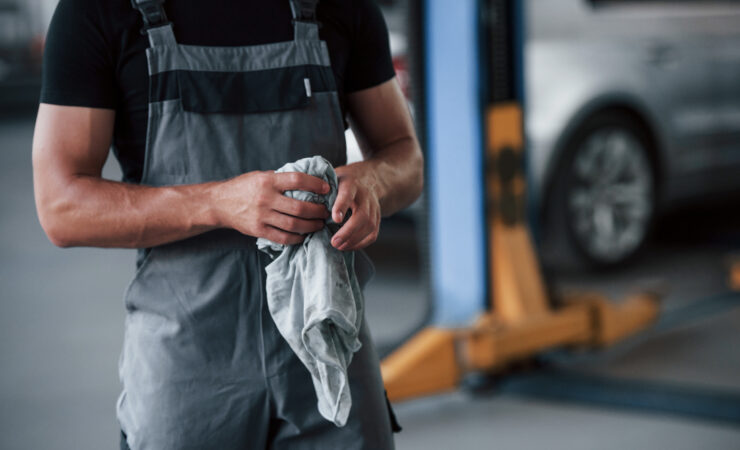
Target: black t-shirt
point(95, 53)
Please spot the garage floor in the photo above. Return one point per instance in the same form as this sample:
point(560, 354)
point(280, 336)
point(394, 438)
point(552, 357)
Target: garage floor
point(61, 323)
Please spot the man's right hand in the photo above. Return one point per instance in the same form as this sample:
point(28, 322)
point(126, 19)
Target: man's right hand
point(254, 204)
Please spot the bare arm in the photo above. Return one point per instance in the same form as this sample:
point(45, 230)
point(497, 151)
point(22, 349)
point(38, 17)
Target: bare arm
point(77, 207)
point(391, 176)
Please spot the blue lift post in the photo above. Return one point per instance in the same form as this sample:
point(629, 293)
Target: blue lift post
point(455, 162)
point(489, 298)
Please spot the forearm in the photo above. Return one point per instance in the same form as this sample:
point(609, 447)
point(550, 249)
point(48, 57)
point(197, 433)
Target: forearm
point(89, 211)
point(395, 172)
point(76, 207)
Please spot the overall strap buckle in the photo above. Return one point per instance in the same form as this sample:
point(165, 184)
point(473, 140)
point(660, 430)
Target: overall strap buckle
point(152, 12)
point(304, 10)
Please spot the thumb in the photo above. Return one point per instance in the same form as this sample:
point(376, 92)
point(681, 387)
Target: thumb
point(345, 197)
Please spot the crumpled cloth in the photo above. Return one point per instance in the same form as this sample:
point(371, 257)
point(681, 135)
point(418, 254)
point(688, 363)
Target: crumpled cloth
point(315, 299)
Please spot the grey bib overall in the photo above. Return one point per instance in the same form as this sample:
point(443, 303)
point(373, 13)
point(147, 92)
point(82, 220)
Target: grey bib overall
point(203, 365)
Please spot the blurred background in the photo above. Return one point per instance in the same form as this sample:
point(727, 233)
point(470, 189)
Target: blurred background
point(632, 131)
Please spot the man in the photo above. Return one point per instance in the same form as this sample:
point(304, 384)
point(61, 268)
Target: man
point(200, 102)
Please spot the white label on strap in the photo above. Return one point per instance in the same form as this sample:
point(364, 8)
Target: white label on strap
point(307, 83)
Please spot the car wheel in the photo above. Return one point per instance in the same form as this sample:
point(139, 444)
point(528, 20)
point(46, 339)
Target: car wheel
point(605, 190)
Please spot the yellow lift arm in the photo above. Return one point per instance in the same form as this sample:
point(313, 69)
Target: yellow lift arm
point(520, 322)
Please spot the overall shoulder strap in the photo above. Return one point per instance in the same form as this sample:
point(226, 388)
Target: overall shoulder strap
point(305, 25)
point(156, 24)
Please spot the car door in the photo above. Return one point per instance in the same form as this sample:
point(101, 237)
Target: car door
point(677, 56)
point(725, 31)
point(670, 42)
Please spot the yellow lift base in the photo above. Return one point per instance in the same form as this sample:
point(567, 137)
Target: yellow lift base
point(520, 322)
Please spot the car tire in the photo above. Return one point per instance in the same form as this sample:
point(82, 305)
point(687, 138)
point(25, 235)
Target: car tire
point(602, 202)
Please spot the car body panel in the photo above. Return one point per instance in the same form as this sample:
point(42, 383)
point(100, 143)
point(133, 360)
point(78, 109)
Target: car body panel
point(674, 65)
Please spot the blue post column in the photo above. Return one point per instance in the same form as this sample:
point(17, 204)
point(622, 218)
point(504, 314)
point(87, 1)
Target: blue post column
point(457, 231)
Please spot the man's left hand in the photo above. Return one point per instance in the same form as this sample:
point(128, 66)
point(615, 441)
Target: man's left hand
point(390, 177)
point(356, 191)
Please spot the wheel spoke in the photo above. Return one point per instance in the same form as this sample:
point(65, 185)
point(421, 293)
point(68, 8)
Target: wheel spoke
point(581, 200)
point(586, 167)
point(616, 156)
point(628, 193)
point(610, 199)
point(604, 222)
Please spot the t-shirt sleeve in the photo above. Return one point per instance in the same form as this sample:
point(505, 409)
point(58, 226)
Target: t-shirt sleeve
point(78, 67)
point(370, 62)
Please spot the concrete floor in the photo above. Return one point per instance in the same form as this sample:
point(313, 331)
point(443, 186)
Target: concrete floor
point(455, 421)
point(61, 323)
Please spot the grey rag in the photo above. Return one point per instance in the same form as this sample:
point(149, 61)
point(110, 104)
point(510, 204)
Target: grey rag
point(316, 300)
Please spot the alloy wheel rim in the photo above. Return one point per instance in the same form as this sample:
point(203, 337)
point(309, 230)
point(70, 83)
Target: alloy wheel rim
point(610, 199)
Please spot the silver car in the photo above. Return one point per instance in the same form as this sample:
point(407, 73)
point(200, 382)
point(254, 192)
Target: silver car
point(632, 107)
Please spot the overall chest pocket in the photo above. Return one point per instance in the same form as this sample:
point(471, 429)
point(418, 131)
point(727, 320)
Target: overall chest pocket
point(225, 123)
point(258, 91)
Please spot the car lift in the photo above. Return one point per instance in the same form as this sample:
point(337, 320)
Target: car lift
point(520, 320)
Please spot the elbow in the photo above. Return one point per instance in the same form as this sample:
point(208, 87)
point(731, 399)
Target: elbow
point(59, 240)
point(58, 210)
point(54, 221)
point(55, 232)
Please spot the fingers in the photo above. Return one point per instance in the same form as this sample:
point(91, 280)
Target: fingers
point(358, 226)
point(298, 208)
point(294, 224)
point(282, 237)
point(372, 237)
point(299, 181)
point(345, 196)
point(346, 231)
point(290, 219)
point(365, 234)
